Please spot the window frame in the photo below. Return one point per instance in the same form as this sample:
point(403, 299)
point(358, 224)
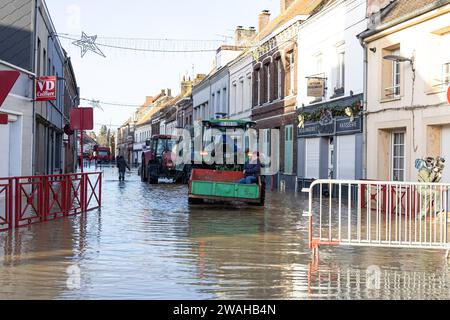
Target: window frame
point(268, 79)
point(291, 73)
point(393, 156)
point(279, 79)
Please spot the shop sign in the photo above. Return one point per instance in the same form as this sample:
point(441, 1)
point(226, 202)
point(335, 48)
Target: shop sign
point(46, 88)
point(335, 127)
point(316, 87)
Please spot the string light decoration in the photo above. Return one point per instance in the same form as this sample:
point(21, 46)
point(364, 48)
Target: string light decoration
point(93, 43)
point(97, 104)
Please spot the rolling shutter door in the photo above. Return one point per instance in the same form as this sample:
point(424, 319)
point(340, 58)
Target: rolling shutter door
point(346, 157)
point(312, 158)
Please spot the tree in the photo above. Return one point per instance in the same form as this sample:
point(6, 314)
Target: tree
point(113, 145)
point(102, 138)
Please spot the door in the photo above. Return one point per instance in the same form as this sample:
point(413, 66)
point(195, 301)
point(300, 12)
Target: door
point(445, 153)
point(288, 149)
point(331, 158)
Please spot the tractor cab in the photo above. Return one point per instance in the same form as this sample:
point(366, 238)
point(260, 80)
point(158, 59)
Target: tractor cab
point(157, 161)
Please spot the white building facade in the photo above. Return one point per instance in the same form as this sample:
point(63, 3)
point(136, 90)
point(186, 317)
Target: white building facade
point(240, 104)
point(330, 80)
point(408, 68)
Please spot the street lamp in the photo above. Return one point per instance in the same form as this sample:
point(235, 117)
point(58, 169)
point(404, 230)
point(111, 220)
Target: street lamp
point(397, 58)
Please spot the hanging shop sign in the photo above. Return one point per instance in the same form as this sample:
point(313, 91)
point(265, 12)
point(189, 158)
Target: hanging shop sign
point(46, 88)
point(7, 81)
point(3, 118)
point(316, 87)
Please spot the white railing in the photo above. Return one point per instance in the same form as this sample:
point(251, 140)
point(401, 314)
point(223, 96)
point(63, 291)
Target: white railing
point(378, 214)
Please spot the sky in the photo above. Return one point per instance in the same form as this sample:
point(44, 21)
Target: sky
point(127, 77)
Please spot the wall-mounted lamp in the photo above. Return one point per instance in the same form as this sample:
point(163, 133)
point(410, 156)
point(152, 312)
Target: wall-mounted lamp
point(374, 49)
point(396, 58)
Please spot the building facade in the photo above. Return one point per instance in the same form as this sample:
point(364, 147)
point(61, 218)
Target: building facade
point(211, 96)
point(274, 88)
point(330, 85)
point(28, 41)
point(16, 156)
point(408, 73)
point(241, 71)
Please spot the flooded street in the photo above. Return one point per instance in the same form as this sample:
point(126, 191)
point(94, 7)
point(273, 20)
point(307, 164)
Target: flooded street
point(147, 243)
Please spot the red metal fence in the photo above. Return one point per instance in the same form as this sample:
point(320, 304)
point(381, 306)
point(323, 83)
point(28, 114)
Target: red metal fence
point(29, 200)
point(6, 200)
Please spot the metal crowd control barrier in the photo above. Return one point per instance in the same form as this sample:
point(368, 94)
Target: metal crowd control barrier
point(6, 203)
point(378, 214)
point(25, 201)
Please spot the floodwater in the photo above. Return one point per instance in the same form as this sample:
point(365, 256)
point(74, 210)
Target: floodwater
point(147, 243)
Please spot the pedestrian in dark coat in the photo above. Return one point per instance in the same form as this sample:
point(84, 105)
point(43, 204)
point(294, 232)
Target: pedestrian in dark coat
point(122, 165)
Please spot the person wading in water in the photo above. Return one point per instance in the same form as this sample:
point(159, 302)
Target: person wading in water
point(122, 165)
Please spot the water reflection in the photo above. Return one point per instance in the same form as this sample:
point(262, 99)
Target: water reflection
point(148, 244)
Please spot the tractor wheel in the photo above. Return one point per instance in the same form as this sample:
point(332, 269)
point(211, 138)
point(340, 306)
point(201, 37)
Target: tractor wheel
point(153, 180)
point(143, 173)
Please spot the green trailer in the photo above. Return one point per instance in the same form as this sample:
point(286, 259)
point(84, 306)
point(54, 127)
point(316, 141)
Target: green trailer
point(220, 183)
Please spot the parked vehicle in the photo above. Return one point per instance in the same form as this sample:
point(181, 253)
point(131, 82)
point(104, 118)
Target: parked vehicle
point(220, 182)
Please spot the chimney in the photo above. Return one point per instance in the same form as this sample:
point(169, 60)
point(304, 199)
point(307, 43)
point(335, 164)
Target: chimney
point(186, 86)
point(163, 92)
point(263, 20)
point(375, 6)
point(169, 92)
point(148, 100)
point(198, 78)
point(285, 4)
point(242, 36)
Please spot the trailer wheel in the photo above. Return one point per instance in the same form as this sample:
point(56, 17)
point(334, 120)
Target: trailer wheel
point(195, 201)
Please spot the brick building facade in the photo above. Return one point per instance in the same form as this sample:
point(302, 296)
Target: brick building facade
point(275, 87)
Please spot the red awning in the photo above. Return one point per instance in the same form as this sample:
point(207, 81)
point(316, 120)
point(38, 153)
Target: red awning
point(7, 81)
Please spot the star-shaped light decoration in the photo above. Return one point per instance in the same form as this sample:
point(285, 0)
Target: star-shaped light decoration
point(87, 43)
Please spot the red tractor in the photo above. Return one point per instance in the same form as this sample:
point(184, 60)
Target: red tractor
point(157, 161)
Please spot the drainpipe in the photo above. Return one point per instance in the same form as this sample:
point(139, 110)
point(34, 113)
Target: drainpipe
point(33, 95)
point(365, 81)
